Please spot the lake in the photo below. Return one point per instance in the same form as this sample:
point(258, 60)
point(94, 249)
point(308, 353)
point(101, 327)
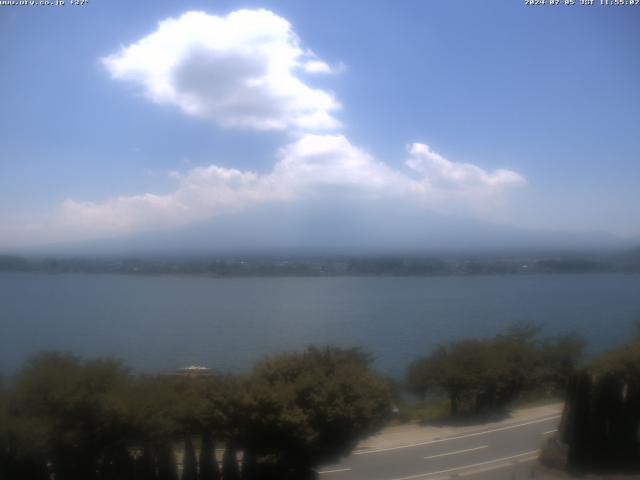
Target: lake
point(165, 322)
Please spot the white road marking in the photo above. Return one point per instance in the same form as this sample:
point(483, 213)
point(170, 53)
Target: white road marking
point(475, 434)
point(456, 452)
point(497, 466)
point(334, 471)
point(497, 460)
point(550, 431)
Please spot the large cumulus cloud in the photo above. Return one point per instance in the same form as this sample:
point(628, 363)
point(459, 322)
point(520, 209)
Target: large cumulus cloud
point(242, 70)
point(314, 166)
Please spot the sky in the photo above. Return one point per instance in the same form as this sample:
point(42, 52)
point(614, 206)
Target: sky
point(334, 118)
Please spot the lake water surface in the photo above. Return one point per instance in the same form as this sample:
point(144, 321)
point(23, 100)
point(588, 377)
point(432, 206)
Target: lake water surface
point(164, 322)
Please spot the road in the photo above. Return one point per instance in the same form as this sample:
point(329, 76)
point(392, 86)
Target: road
point(504, 451)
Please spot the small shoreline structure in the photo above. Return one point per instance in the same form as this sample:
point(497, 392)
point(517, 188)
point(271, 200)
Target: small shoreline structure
point(190, 371)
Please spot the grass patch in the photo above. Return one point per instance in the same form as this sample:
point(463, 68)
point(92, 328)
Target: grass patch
point(438, 409)
point(423, 412)
point(536, 398)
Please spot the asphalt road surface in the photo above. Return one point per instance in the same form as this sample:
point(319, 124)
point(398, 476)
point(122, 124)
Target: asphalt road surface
point(499, 452)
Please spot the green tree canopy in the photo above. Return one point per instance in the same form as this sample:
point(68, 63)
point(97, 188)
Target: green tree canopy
point(481, 374)
point(312, 407)
point(71, 399)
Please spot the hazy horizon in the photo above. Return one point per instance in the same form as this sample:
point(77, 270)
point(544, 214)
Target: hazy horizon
point(304, 232)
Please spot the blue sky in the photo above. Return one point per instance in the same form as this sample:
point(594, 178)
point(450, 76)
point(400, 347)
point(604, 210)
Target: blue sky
point(492, 111)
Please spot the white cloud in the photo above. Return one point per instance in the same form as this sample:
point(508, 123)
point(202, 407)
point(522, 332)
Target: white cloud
point(317, 66)
point(201, 193)
point(318, 166)
point(239, 71)
point(316, 163)
point(443, 173)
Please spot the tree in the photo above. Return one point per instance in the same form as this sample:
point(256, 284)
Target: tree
point(167, 469)
point(189, 461)
point(484, 374)
point(306, 408)
point(23, 452)
point(72, 397)
point(559, 358)
point(145, 464)
point(601, 419)
point(249, 465)
point(460, 369)
point(230, 469)
point(209, 469)
point(91, 419)
point(420, 378)
point(575, 423)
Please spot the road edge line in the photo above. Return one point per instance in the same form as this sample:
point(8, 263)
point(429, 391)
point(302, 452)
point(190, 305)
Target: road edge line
point(467, 435)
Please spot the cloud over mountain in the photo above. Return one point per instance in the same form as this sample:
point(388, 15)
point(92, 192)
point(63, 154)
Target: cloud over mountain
point(312, 167)
point(442, 173)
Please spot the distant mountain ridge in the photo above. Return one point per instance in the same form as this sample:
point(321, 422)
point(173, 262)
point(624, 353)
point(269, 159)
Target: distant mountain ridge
point(322, 228)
